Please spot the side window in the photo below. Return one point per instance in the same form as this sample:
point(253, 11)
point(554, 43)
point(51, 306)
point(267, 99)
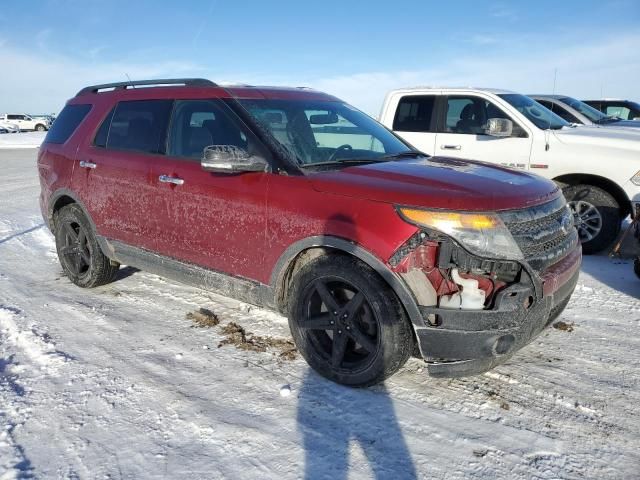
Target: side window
point(331, 130)
point(13, 117)
point(618, 111)
point(64, 126)
point(469, 116)
point(140, 125)
point(415, 114)
point(560, 111)
point(197, 124)
point(103, 131)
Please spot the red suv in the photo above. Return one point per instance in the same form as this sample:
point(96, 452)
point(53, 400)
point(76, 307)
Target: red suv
point(290, 199)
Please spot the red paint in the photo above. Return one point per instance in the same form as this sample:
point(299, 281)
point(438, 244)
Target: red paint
point(241, 224)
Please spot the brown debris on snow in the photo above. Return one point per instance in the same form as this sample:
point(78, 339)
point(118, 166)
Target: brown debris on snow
point(240, 338)
point(203, 318)
point(565, 327)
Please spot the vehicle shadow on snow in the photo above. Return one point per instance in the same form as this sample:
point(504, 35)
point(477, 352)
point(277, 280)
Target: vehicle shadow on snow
point(23, 232)
point(332, 417)
point(615, 273)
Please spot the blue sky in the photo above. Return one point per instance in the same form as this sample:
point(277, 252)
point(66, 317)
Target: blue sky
point(51, 48)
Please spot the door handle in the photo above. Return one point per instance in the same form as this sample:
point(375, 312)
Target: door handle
point(450, 147)
point(168, 179)
point(85, 164)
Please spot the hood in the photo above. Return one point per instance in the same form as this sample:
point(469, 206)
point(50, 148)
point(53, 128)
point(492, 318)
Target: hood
point(439, 182)
point(623, 138)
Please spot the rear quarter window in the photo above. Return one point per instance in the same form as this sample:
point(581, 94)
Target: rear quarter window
point(67, 123)
point(414, 114)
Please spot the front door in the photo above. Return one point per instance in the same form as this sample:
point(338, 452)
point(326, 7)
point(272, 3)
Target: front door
point(462, 134)
point(215, 220)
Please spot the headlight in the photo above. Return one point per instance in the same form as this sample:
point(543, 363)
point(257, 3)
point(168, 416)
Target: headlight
point(636, 179)
point(483, 234)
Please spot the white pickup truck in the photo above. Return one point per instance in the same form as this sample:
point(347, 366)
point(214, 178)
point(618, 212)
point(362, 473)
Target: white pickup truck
point(598, 169)
point(26, 122)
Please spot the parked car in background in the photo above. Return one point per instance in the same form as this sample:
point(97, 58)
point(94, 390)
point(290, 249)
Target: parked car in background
point(291, 199)
point(625, 109)
point(25, 122)
point(47, 118)
point(597, 168)
point(6, 127)
point(575, 111)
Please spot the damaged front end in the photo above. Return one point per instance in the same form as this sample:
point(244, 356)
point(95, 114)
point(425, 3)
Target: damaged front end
point(478, 309)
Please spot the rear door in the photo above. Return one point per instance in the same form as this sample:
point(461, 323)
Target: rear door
point(461, 135)
point(216, 220)
point(113, 174)
point(415, 121)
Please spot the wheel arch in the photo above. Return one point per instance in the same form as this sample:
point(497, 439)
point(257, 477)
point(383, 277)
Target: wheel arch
point(303, 251)
point(609, 186)
point(61, 198)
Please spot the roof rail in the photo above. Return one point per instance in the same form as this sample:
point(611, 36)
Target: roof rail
point(192, 82)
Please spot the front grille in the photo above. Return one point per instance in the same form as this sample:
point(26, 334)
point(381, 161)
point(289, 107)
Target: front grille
point(544, 233)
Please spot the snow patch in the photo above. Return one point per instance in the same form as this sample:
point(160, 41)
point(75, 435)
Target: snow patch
point(32, 344)
point(22, 140)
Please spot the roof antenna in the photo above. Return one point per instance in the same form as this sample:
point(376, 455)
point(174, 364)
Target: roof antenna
point(548, 130)
point(130, 81)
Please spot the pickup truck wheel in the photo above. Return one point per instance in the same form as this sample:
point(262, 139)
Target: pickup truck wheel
point(596, 214)
point(40, 127)
point(78, 251)
point(347, 322)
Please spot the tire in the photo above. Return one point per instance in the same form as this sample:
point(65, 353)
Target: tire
point(597, 216)
point(40, 128)
point(360, 347)
point(80, 255)
point(636, 266)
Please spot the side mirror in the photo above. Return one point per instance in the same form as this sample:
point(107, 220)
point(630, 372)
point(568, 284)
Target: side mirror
point(499, 127)
point(231, 159)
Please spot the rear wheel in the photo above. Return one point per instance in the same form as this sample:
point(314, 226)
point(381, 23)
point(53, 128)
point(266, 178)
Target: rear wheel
point(347, 322)
point(78, 251)
point(636, 266)
point(596, 214)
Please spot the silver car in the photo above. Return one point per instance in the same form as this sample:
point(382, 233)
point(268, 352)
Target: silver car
point(575, 111)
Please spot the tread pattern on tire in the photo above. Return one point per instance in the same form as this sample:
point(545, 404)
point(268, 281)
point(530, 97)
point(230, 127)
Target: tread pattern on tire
point(102, 270)
point(397, 338)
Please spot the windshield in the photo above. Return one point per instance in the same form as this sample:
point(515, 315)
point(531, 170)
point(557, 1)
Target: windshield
point(586, 110)
point(540, 116)
point(321, 132)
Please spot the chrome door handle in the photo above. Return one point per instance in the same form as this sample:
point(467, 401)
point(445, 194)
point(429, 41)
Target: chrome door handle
point(450, 147)
point(168, 179)
point(85, 164)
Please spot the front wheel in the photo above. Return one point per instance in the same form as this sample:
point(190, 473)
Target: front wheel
point(347, 322)
point(78, 251)
point(40, 128)
point(596, 214)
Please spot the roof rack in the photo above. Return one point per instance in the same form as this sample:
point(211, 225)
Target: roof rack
point(191, 82)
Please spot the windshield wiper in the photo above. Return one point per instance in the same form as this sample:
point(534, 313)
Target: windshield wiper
point(406, 154)
point(608, 119)
point(343, 161)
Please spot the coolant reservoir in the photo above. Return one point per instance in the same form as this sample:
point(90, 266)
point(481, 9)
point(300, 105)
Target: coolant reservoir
point(469, 298)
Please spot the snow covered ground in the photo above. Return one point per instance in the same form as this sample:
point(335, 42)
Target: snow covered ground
point(115, 382)
point(21, 140)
